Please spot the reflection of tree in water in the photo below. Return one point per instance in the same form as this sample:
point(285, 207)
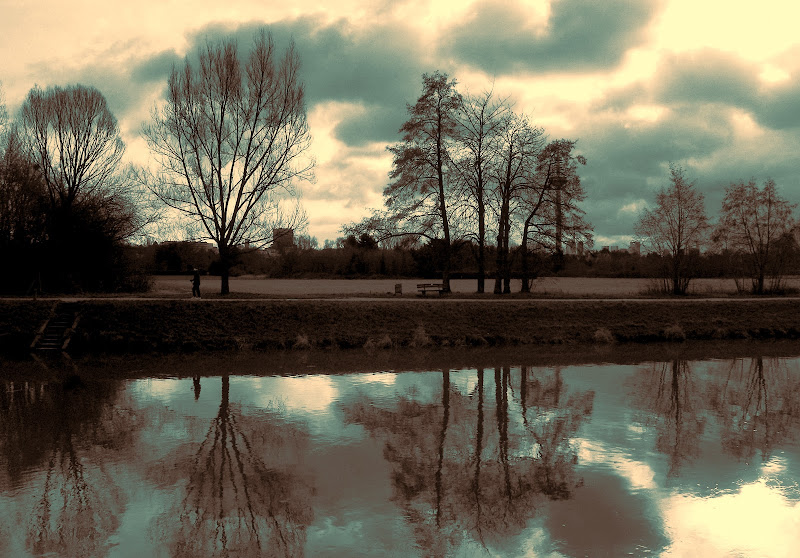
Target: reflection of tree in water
point(668, 395)
point(758, 405)
point(556, 420)
point(61, 428)
point(239, 497)
point(458, 471)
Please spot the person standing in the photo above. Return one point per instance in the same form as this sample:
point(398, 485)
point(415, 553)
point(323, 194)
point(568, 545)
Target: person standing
point(196, 284)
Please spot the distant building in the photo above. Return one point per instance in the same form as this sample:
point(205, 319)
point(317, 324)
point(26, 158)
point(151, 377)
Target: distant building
point(282, 238)
point(615, 249)
point(635, 248)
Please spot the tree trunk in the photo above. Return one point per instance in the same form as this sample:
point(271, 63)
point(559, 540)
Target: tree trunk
point(225, 270)
point(526, 286)
point(676, 276)
point(481, 245)
point(502, 248)
point(498, 274)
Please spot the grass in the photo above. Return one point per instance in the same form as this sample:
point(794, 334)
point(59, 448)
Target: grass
point(545, 287)
point(20, 322)
point(278, 314)
point(140, 326)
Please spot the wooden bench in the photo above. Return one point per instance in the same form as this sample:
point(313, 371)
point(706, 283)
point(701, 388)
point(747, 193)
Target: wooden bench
point(425, 287)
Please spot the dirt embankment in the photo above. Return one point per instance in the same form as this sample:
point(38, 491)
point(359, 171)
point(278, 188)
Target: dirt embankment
point(142, 326)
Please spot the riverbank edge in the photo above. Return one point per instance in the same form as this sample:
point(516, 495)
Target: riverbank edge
point(185, 326)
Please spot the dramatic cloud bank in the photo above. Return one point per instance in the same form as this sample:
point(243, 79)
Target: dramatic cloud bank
point(635, 82)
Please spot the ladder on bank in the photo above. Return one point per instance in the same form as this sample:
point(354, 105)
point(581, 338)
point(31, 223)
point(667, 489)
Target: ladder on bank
point(55, 333)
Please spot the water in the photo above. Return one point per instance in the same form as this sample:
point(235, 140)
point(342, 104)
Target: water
point(653, 458)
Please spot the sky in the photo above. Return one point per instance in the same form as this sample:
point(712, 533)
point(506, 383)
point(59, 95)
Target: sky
point(712, 86)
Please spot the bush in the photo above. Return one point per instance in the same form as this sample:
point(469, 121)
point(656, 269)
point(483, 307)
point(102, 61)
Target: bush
point(675, 333)
point(420, 338)
point(603, 335)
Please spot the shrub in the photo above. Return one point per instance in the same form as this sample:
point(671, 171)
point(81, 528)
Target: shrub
point(384, 342)
point(675, 333)
point(603, 335)
point(302, 342)
point(420, 338)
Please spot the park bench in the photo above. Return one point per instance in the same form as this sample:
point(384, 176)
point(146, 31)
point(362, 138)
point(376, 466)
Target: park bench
point(425, 287)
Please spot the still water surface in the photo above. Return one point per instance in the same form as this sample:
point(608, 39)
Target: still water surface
point(675, 458)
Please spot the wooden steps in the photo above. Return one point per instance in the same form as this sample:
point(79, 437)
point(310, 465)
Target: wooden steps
point(54, 335)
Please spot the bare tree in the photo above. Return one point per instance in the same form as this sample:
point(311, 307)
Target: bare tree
point(754, 223)
point(512, 172)
point(480, 121)
point(231, 142)
point(675, 226)
point(417, 198)
point(550, 208)
point(73, 137)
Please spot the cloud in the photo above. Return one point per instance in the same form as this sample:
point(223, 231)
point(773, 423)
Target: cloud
point(633, 207)
point(155, 67)
point(580, 35)
point(713, 77)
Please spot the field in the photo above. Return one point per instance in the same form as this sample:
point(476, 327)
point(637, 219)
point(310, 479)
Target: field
point(548, 287)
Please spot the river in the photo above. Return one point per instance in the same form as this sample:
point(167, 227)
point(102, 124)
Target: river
point(677, 456)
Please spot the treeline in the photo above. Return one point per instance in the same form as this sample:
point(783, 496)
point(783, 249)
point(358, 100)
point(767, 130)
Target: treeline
point(362, 257)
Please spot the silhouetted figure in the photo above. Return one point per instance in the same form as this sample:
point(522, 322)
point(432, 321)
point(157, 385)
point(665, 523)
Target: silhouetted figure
point(196, 386)
point(196, 284)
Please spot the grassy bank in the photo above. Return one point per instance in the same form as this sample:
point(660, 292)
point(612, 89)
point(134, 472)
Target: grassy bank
point(141, 326)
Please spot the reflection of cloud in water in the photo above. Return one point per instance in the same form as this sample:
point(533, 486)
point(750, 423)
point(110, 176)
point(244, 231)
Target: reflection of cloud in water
point(464, 381)
point(640, 475)
point(385, 378)
point(159, 388)
point(733, 524)
point(306, 394)
point(536, 541)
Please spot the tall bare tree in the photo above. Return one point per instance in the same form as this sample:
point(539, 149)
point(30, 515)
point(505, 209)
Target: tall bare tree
point(551, 207)
point(231, 143)
point(674, 227)
point(73, 137)
point(754, 224)
point(417, 199)
point(513, 172)
point(480, 118)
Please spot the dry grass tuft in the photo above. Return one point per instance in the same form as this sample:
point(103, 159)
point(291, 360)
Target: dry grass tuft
point(384, 342)
point(302, 342)
point(420, 338)
point(675, 333)
point(603, 335)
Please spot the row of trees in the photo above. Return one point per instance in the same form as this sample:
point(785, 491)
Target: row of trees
point(755, 229)
point(469, 168)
